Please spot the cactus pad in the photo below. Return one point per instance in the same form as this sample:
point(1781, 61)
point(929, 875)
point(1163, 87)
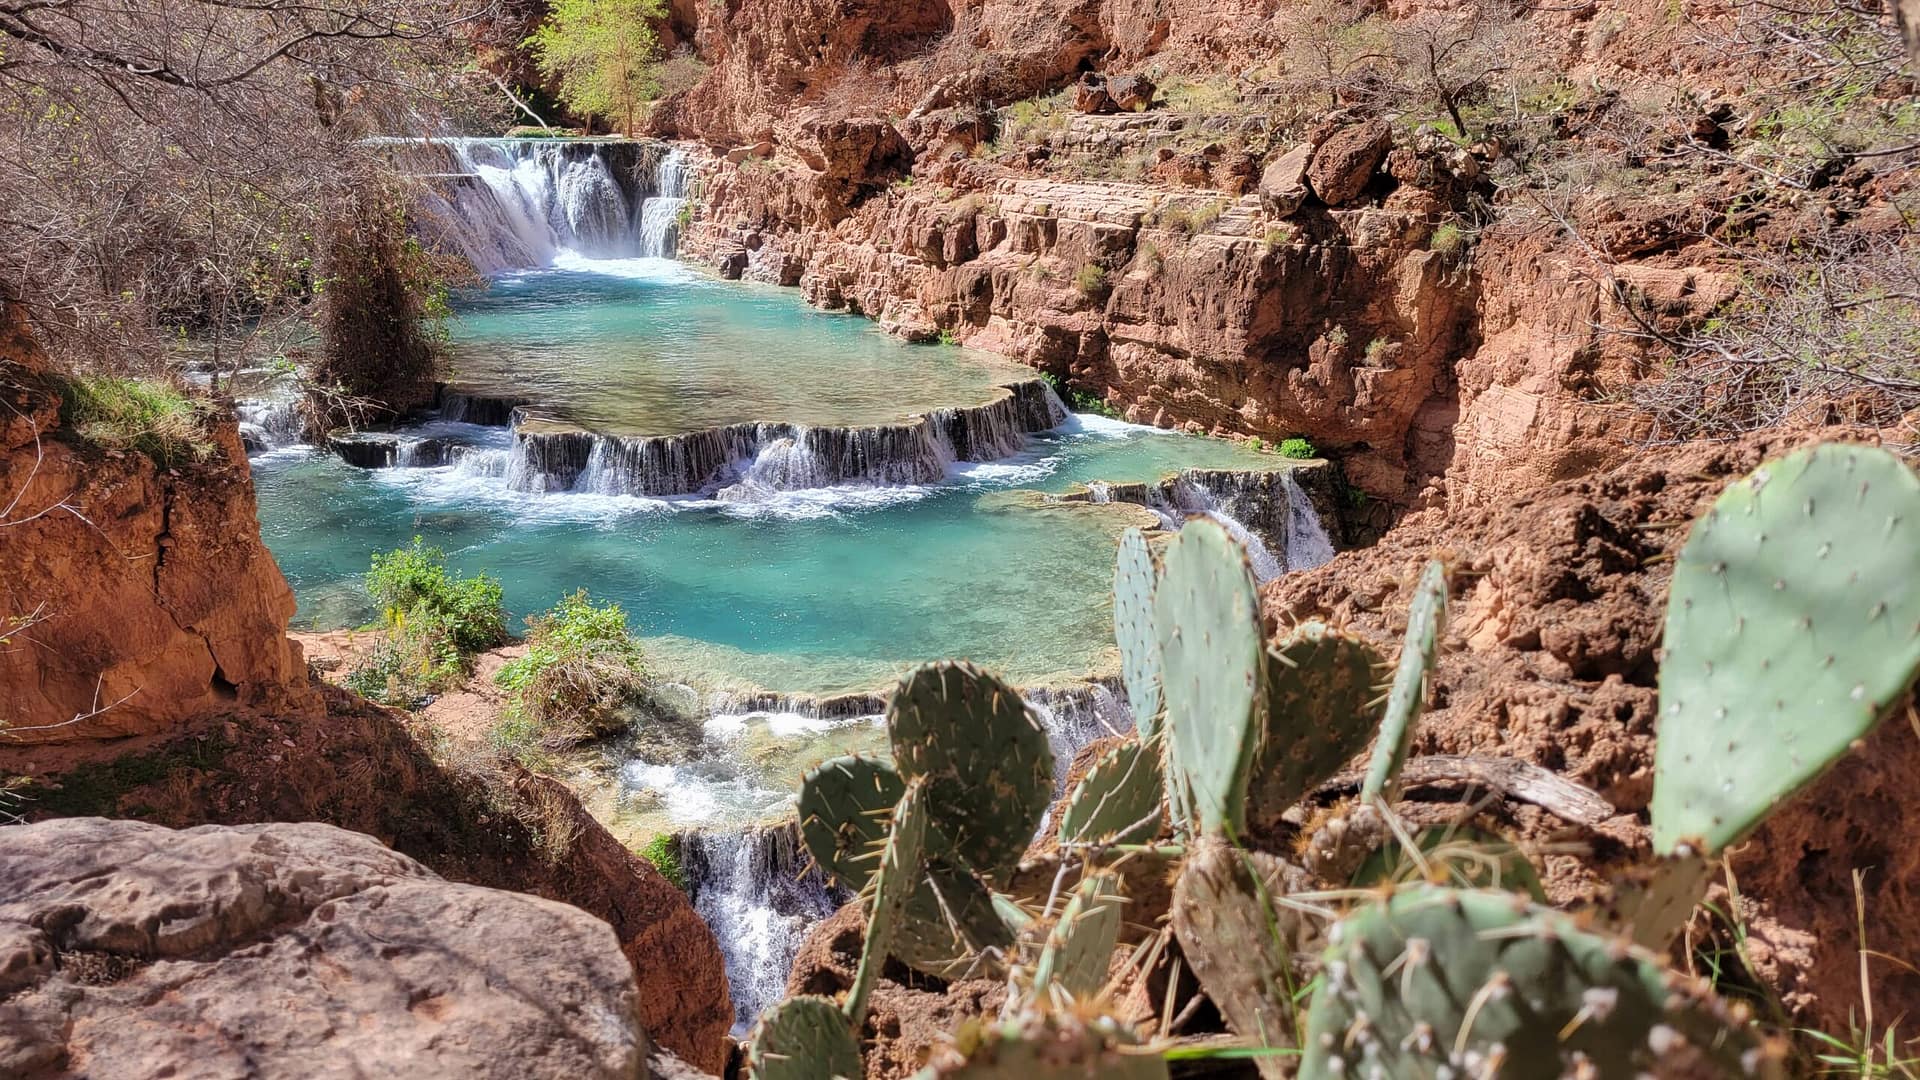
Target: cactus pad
point(1206, 614)
point(893, 883)
point(803, 1038)
point(1652, 902)
point(1117, 801)
point(1435, 982)
point(1040, 1045)
point(1239, 942)
point(989, 770)
point(845, 805)
point(1319, 684)
point(1793, 626)
point(1080, 945)
point(953, 926)
point(1426, 623)
point(1457, 855)
point(1133, 582)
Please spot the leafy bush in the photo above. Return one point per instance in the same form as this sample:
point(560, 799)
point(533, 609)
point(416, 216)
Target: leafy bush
point(153, 418)
point(1190, 220)
point(413, 583)
point(1297, 448)
point(582, 665)
point(1449, 239)
point(413, 660)
point(664, 854)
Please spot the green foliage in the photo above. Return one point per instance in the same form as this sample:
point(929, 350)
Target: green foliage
point(414, 582)
point(433, 621)
point(151, 418)
point(1034, 119)
point(1091, 281)
point(602, 53)
point(1449, 239)
point(1186, 219)
point(582, 665)
point(1279, 235)
point(1434, 981)
point(1791, 632)
point(1298, 448)
point(1079, 400)
point(948, 337)
point(664, 854)
point(1426, 623)
point(99, 789)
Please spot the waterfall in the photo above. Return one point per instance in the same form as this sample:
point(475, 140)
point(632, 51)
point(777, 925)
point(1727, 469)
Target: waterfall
point(1307, 543)
point(270, 424)
point(1191, 498)
point(1073, 716)
point(745, 462)
point(660, 214)
point(760, 893)
point(508, 204)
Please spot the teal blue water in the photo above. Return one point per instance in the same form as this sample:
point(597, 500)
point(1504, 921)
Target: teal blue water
point(815, 592)
point(648, 347)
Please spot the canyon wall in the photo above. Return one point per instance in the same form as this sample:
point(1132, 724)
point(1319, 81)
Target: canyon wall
point(1254, 276)
point(136, 599)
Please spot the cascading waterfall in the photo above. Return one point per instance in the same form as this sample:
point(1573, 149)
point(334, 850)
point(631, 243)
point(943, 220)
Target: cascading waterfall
point(1190, 498)
point(271, 424)
point(1307, 543)
point(1074, 716)
point(510, 204)
point(660, 214)
point(760, 893)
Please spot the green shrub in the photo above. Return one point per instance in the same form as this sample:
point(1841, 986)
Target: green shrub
point(582, 665)
point(1297, 447)
point(664, 854)
point(412, 660)
point(1080, 400)
point(1278, 236)
point(414, 582)
point(153, 418)
point(1091, 280)
point(1449, 239)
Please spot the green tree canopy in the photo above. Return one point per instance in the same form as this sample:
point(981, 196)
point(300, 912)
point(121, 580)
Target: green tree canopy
point(602, 52)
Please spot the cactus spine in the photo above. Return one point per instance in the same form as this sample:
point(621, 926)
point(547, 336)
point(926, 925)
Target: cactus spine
point(1319, 687)
point(1426, 623)
point(1080, 944)
point(1239, 941)
point(1117, 801)
point(845, 804)
point(1133, 584)
point(1047, 1045)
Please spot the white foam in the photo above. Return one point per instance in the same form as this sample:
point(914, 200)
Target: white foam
point(1106, 427)
point(637, 269)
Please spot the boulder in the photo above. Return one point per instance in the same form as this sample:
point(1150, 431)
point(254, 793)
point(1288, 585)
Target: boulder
point(731, 263)
point(1131, 93)
point(291, 950)
point(1090, 95)
point(1283, 184)
point(857, 150)
point(1345, 162)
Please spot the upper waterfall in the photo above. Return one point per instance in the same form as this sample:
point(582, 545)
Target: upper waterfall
point(510, 204)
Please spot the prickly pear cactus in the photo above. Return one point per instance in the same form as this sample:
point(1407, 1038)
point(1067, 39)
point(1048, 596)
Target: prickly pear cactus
point(1435, 982)
point(845, 805)
point(1239, 941)
point(988, 768)
point(803, 1038)
point(1080, 944)
point(1133, 582)
point(1206, 614)
point(887, 894)
point(1793, 626)
point(1046, 1045)
point(954, 927)
point(1651, 903)
point(1320, 682)
point(1426, 623)
point(1118, 800)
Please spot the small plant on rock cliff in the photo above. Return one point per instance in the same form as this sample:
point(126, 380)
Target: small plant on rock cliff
point(1091, 281)
point(152, 418)
point(582, 665)
point(1298, 447)
point(664, 854)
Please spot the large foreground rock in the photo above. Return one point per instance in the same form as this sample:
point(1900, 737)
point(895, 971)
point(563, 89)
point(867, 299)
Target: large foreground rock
point(132, 950)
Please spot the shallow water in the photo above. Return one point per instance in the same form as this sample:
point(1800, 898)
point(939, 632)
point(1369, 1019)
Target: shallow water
point(649, 347)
